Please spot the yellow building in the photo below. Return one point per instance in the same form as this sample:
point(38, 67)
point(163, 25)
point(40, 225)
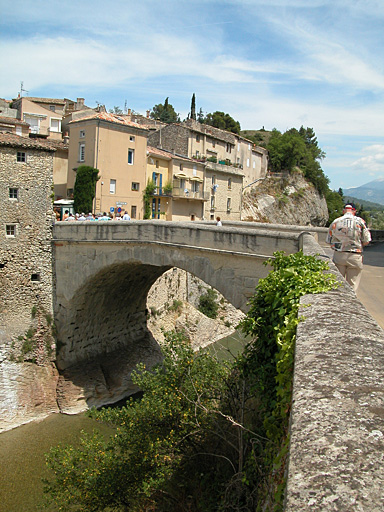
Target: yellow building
point(179, 193)
point(116, 147)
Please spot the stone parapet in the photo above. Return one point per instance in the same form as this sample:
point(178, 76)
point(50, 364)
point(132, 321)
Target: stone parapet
point(337, 423)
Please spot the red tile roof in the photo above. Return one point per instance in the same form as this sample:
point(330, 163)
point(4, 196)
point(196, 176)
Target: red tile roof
point(12, 120)
point(110, 118)
point(17, 141)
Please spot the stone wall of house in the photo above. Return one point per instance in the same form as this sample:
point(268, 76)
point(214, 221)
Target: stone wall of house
point(225, 190)
point(173, 137)
point(26, 314)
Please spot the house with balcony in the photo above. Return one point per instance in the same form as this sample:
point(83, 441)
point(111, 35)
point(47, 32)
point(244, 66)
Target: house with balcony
point(179, 185)
point(45, 115)
point(232, 162)
point(116, 147)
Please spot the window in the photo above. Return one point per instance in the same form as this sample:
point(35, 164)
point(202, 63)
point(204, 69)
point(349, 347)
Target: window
point(195, 186)
point(194, 170)
point(82, 134)
point(197, 137)
point(13, 193)
point(132, 138)
point(247, 162)
point(254, 164)
point(35, 278)
point(10, 230)
point(21, 156)
point(229, 183)
point(249, 147)
point(181, 167)
point(229, 148)
point(228, 203)
point(238, 146)
point(157, 164)
point(213, 143)
point(133, 212)
point(19, 130)
point(52, 108)
point(81, 152)
point(212, 202)
point(55, 125)
point(197, 154)
point(135, 186)
point(213, 179)
point(131, 154)
point(112, 186)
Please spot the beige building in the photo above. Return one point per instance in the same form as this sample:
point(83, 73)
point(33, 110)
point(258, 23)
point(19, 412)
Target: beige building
point(179, 181)
point(45, 115)
point(232, 162)
point(118, 149)
point(13, 125)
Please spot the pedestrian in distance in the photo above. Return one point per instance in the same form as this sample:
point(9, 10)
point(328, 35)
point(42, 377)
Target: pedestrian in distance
point(126, 215)
point(348, 235)
point(218, 221)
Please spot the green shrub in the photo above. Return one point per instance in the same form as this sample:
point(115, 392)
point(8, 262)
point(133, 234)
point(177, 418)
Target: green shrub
point(208, 303)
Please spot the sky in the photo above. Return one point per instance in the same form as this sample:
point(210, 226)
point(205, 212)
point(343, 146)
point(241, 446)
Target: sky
point(268, 63)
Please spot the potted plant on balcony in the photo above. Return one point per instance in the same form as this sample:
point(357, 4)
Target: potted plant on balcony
point(167, 189)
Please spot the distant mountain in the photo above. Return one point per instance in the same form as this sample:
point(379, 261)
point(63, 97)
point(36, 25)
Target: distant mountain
point(372, 191)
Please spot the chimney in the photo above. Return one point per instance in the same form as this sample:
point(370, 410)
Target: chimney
point(148, 112)
point(129, 111)
point(66, 138)
point(80, 104)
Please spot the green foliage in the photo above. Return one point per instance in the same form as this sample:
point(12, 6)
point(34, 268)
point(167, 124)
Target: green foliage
point(298, 148)
point(176, 305)
point(115, 110)
point(168, 187)
point(208, 303)
point(155, 439)
point(147, 198)
point(335, 205)
point(205, 436)
point(85, 188)
point(193, 107)
point(222, 121)
point(268, 361)
point(165, 113)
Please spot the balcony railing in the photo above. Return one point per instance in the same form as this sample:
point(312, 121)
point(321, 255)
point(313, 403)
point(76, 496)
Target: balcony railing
point(179, 193)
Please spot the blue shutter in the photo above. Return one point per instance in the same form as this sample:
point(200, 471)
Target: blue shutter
point(161, 185)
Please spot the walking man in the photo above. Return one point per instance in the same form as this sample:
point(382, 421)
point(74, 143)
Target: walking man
point(348, 235)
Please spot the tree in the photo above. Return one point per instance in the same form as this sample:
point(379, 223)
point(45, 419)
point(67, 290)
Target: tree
point(222, 121)
point(156, 438)
point(115, 110)
point(298, 149)
point(335, 205)
point(193, 107)
point(165, 113)
point(85, 188)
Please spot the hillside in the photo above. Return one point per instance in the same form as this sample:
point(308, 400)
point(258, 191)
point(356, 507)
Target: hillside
point(372, 191)
point(285, 199)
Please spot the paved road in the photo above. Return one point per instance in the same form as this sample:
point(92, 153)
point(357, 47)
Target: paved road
point(371, 289)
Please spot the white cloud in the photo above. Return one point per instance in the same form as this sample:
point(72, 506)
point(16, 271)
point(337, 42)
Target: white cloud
point(373, 160)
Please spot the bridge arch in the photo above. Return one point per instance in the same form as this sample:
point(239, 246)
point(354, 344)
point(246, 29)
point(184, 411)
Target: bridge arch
point(102, 278)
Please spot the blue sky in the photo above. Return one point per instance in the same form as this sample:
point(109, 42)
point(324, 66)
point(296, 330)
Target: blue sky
point(273, 63)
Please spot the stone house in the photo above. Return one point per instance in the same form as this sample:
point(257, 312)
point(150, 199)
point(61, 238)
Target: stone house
point(118, 148)
point(230, 159)
point(26, 174)
point(179, 184)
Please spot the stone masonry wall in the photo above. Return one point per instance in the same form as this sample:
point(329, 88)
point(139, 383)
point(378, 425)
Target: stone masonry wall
point(27, 376)
point(172, 137)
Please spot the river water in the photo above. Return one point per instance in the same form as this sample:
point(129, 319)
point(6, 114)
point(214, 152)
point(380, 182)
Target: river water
point(23, 449)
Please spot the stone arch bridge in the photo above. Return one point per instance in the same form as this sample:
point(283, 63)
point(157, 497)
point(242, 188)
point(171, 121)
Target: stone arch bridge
point(103, 272)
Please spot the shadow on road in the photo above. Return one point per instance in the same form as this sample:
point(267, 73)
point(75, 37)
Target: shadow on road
point(374, 255)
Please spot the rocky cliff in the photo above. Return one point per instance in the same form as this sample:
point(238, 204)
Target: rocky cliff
point(285, 199)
